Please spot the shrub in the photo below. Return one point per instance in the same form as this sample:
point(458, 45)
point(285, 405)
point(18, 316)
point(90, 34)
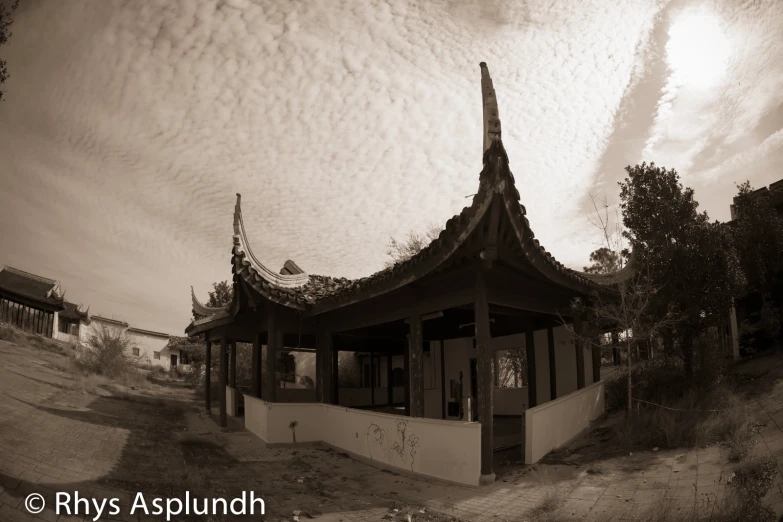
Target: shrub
point(107, 351)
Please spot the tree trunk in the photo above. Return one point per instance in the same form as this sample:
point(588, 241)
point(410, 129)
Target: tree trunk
point(630, 378)
point(687, 353)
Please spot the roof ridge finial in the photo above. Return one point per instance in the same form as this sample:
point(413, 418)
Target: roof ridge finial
point(490, 106)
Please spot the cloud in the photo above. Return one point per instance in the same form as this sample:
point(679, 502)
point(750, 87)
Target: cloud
point(725, 75)
point(131, 125)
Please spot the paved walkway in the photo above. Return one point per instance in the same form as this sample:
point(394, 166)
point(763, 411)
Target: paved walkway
point(158, 441)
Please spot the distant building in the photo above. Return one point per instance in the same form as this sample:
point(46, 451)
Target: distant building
point(148, 347)
point(747, 310)
point(30, 302)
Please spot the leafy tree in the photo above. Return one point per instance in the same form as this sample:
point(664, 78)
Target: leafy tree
point(6, 10)
point(691, 262)
point(221, 295)
point(758, 237)
point(604, 261)
point(400, 251)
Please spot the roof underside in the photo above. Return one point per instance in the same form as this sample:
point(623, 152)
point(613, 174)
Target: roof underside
point(296, 289)
point(34, 288)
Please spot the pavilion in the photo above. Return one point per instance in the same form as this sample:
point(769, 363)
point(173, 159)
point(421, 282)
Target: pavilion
point(30, 302)
point(483, 285)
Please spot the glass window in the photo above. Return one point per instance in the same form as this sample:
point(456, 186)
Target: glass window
point(156, 355)
point(136, 352)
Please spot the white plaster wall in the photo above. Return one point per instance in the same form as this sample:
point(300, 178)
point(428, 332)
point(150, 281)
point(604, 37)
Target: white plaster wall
point(555, 423)
point(565, 360)
point(442, 449)
point(256, 417)
point(231, 401)
point(147, 345)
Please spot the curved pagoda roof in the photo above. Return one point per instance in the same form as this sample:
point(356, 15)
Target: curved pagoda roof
point(294, 288)
point(33, 289)
point(73, 313)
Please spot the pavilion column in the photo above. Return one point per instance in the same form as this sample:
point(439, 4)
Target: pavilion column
point(550, 341)
point(530, 352)
point(273, 344)
point(372, 378)
point(255, 371)
point(233, 376)
point(335, 375)
point(208, 376)
point(415, 366)
point(442, 380)
point(389, 377)
point(323, 366)
point(484, 377)
point(223, 373)
point(579, 328)
point(406, 376)
point(616, 347)
point(596, 353)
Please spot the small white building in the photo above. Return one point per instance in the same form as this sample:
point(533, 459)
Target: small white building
point(147, 347)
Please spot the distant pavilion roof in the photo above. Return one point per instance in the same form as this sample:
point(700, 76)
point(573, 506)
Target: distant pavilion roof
point(73, 313)
point(294, 288)
point(33, 289)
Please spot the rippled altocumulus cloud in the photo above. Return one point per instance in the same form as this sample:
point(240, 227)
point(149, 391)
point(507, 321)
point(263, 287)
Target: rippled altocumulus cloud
point(130, 126)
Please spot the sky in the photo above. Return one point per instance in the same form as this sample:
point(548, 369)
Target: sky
point(128, 127)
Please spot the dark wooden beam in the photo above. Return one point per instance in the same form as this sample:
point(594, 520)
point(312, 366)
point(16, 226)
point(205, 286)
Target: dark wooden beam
point(233, 364)
point(335, 375)
point(372, 378)
point(273, 338)
point(596, 353)
point(550, 339)
point(415, 366)
point(580, 352)
point(442, 380)
point(484, 376)
point(406, 376)
point(208, 376)
point(530, 352)
point(255, 371)
point(222, 386)
point(389, 375)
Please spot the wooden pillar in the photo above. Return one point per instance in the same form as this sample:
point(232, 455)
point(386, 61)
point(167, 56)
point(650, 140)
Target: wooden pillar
point(484, 377)
point(442, 380)
point(255, 371)
point(580, 352)
point(272, 346)
point(372, 378)
point(223, 373)
point(208, 376)
point(406, 378)
point(324, 366)
point(415, 366)
point(530, 352)
point(550, 341)
point(389, 376)
point(596, 352)
point(233, 364)
point(335, 375)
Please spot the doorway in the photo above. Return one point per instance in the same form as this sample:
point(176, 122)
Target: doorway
point(173, 362)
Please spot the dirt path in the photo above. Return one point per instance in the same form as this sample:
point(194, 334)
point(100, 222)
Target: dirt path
point(158, 441)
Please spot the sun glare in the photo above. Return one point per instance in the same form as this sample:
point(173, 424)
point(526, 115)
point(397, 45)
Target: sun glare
point(698, 50)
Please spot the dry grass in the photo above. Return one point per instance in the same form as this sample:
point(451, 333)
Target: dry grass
point(682, 416)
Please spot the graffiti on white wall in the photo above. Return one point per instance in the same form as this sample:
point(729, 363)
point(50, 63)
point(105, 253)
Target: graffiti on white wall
point(400, 451)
